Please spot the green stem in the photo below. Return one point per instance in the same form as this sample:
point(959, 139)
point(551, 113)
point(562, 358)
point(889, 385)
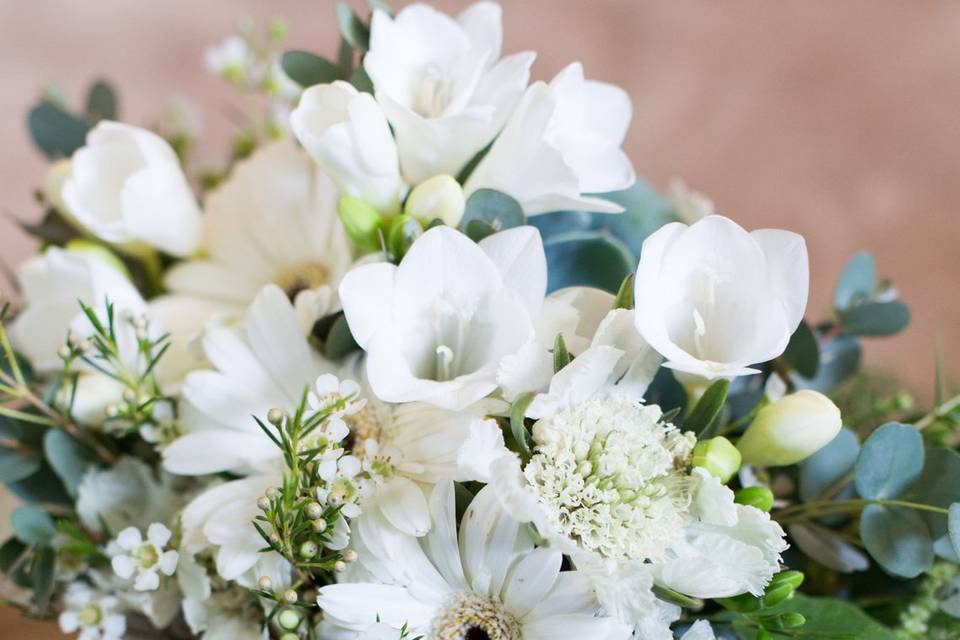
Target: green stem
point(26, 417)
point(938, 412)
point(154, 269)
point(11, 357)
point(822, 508)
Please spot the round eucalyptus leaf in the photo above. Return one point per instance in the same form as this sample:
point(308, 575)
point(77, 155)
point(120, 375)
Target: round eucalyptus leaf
point(953, 527)
point(889, 462)
point(588, 259)
point(307, 69)
point(858, 281)
point(352, 27)
point(17, 464)
point(68, 457)
point(876, 318)
point(55, 132)
point(839, 359)
point(938, 485)
point(101, 102)
point(803, 352)
point(828, 466)
point(494, 208)
point(32, 525)
point(827, 548)
point(898, 539)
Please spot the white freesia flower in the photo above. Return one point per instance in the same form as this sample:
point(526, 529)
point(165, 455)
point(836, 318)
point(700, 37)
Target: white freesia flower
point(714, 299)
point(126, 187)
point(493, 584)
point(562, 141)
point(274, 220)
point(346, 132)
point(126, 494)
point(91, 613)
point(436, 327)
point(790, 429)
point(442, 84)
point(144, 560)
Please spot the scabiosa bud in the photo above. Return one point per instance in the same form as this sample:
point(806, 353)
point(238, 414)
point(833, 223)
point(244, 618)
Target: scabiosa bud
point(263, 503)
point(718, 456)
point(440, 197)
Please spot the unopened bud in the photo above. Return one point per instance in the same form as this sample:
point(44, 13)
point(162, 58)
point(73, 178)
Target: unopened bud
point(64, 352)
point(112, 411)
point(129, 396)
point(289, 636)
point(314, 511)
point(362, 222)
point(349, 555)
point(438, 198)
point(309, 549)
point(263, 503)
point(274, 538)
point(320, 526)
point(718, 456)
point(758, 497)
point(265, 583)
point(273, 492)
point(339, 566)
point(275, 417)
point(289, 619)
point(790, 430)
point(290, 596)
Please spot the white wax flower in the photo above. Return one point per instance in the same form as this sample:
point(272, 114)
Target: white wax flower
point(91, 613)
point(144, 560)
point(346, 132)
point(791, 429)
point(126, 186)
point(436, 327)
point(442, 84)
point(562, 141)
point(714, 299)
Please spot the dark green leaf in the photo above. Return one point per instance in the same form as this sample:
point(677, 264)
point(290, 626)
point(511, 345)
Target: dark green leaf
point(17, 464)
point(477, 230)
point(42, 486)
point(345, 57)
point(561, 356)
point(496, 208)
point(402, 231)
point(624, 299)
point(68, 457)
point(352, 28)
point(876, 318)
point(340, 341)
point(589, 259)
point(938, 485)
point(826, 547)
point(307, 69)
point(707, 407)
point(32, 525)
point(898, 539)
point(833, 619)
point(41, 577)
point(803, 352)
point(10, 552)
point(889, 462)
point(55, 132)
point(101, 103)
point(857, 282)
point(828, 466)
point(517, 427)
point(839, 359)
point(361, 81)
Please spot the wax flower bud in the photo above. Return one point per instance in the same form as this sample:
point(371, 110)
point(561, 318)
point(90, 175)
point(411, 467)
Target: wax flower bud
point(440, 197)
point(790, 430)
point(718, 456)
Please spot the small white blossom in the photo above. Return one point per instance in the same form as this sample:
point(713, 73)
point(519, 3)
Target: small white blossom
point(92, 614)
point(145, 559)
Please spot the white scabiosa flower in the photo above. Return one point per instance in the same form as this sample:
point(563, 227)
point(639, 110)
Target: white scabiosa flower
point(126, 187)
point(144, 560)
point(92, 614)
point(493, 584)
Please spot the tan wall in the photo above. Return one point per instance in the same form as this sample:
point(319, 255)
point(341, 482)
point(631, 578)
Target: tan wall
point(836, 119)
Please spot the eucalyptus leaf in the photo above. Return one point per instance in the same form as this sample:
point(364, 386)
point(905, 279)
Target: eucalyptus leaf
point(101, 102)
point(857, 282)
point(803, 352)
point(55, 132)
point(361, 81)
point(707, 407)
point(495, 208)
point(32, 525)
point(17, 464)
point(340, 341)
point(938, 485)
point(839, 359)
point(876, 318)
point(477, 230)
point(42, 486)
point(943, 548)
point(68, 457)
point(827, 548)
point(352, 27)
point(41, 577)
point(828, 466)
point(890, 461)
point(898, 539)
point(10, 552)
point(589, 259)
point(307, 69)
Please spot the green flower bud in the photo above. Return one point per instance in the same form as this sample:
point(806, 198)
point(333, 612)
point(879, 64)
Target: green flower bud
point(309, 549)
point(290, 596)
point(792, 578)
point(781, 587)
point(362, 223)
point(402, 231)
point(439, 198)
point(792, 620)
point(759, 497)
point(98, 251)
point(790, 430)
point(289, 619)
point(718, 456)
point(289, 636)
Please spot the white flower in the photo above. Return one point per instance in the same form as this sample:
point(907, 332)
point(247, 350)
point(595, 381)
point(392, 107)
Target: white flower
point(436, 327)
point(347, 134)
point(690, 205)
point(274, 220)
point(230, 59)
point(442, 84)
point(562, 141)
point(493, 584)
point(438, 198)
point(714, 299)
point(128, 493)
point(126, 187)
point(145, 559)
point(92, 614)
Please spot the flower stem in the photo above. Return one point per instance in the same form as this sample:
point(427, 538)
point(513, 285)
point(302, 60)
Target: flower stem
point(821, 508)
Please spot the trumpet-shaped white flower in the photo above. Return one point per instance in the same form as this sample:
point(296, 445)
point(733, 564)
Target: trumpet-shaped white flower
point(436, 327)
point(274, 220)
point(442, 84)
point(346, 132)
point(144, 560)
point(91, 613)
point(493, 584)
point(562, 141)
point(126, 187)
point(714, 299)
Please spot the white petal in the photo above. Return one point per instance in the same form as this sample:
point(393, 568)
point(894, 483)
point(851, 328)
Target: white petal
point(789, 269)
point(441, 543)
point(518, 253)
point(358, 606)
point(147, 581)
point(404, 505)
point(158, 534)
point(123, 566)
point(699, 630)
point(363, 293)
point(168, 562)
point(130, 538)
point(531, 579)
point(575, 627)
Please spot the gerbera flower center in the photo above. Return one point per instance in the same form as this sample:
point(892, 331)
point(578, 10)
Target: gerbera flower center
point(301, 277)
point(468, 616)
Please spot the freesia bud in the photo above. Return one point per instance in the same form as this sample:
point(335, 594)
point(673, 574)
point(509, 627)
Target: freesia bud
point(718, 456)
point(790, 430)
point(361, 222)
point(440, 197)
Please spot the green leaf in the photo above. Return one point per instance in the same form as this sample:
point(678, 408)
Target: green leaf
point(707, 407)
point(561, 356)
point(10, 552)
point(803, 352)
point(352, 28)
point(857, 283)
point(307, 69)
point(898, 539)
point(828, 466)
point(839, 359)
point(52, 229)
point(876, 318)
point(953, 527)
point(68, 457)
point(42, 486)
point(889, 462)
point(477, 230)
point(17, 464)
point(340, 341)
point(938, 485)
point(32, 525)
point(402, 231)
point(833, 619)
point(624, 299)
point(589, 259)
point(517, 427)
point(361, 81)
point(495, 208)
point(41, 577)
point(826, 547)
point(101, 103)
point(55, 132)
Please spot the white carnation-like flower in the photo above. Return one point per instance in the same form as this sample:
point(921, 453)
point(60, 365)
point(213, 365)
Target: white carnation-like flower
point(144, 559)
point(91, 613)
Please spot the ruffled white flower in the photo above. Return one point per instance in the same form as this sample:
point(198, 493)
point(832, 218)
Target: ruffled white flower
point(714, 299)
point(144, 560)
point(274, 220)
point(436, 327)
point(127, 494)
point(346, 132)
point(493, 584)
point(442, 84)
point(91, 613)
point(126, 187)
point(562, 141)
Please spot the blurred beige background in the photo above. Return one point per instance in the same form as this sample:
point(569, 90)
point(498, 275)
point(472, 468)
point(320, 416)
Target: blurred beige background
point(838, 119)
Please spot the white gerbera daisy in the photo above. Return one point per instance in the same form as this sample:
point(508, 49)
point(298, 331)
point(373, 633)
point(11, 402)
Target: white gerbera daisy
point(92, 614)
point(493, 584)
point(144, 560)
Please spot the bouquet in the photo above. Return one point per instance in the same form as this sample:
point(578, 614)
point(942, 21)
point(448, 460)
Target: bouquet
point(422, 359)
